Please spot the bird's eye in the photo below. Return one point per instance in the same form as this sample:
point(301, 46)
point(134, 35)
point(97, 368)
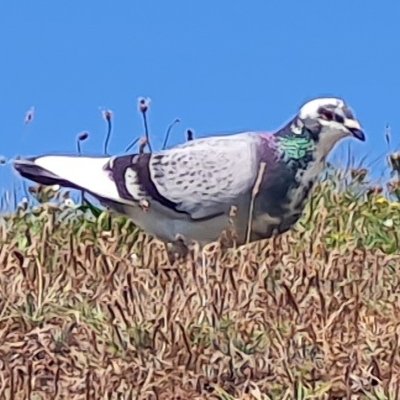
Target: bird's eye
point(325, 114)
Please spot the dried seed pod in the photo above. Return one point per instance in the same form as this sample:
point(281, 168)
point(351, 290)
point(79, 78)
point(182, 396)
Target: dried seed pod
point(83, 136)
point(144, 104)
point(107, 115)
point(359, 174)
point(189, 135)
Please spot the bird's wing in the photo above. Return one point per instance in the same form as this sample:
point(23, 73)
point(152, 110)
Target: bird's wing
point(202, 178)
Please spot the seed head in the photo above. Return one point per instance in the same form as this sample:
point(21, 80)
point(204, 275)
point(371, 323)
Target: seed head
point(107, 115)
point(189, 135)
point(83, 136)
point(29, 115)
point(144, 104)
point(359, 174)
point(394, 160)
point(143, 144)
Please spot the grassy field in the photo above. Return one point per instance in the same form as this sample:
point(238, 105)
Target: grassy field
point(90, 308)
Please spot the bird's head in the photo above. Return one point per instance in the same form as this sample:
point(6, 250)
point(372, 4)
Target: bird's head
point(326, 121)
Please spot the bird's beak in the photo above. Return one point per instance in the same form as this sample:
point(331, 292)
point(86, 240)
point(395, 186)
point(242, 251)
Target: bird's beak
point(355, 128)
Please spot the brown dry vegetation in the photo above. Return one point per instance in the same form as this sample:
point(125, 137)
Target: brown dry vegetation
point(90, 308)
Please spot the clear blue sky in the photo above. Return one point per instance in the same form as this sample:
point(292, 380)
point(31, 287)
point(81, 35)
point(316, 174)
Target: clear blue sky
point(218, 65)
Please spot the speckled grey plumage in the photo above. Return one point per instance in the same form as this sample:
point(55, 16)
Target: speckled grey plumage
point(198, 182)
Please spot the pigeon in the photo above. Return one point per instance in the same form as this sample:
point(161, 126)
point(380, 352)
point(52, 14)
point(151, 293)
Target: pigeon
point(253, 183)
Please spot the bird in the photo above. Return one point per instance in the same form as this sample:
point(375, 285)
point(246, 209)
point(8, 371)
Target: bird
point(255, 183)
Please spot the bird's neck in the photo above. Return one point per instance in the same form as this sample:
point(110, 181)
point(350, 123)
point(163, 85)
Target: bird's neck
point(297, 154)
point(297, 146)
point(295, 136)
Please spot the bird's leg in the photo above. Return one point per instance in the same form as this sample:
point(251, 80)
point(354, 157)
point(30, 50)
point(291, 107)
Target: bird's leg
point(177, 250)
point(229, 236)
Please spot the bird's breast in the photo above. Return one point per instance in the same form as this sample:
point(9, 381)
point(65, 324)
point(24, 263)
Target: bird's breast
point(282, 200)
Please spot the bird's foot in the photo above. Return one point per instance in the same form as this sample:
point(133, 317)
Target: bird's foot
point(177, 250)
point(228, 239)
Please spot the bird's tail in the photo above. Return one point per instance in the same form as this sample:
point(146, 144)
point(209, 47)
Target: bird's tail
point(83, 173)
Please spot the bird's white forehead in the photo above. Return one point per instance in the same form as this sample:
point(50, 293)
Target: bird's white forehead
point(311, 107)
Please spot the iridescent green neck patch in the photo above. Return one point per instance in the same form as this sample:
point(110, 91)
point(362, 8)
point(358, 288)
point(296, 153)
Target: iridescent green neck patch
point(296, 148)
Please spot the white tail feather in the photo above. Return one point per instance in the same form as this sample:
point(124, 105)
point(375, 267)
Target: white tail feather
point(85, 172)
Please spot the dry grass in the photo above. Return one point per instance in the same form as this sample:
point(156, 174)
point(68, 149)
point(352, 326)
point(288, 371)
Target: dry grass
point(91, 309)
